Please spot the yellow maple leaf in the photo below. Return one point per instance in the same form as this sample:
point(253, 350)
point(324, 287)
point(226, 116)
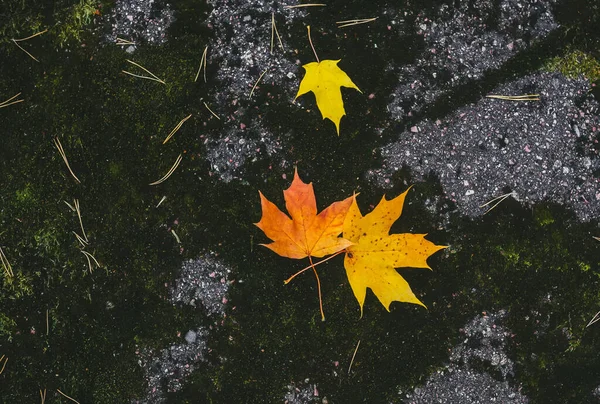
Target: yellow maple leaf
point(324, 79)
point(371, 261)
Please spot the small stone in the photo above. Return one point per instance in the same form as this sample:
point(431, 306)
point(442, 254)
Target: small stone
point(190, 337)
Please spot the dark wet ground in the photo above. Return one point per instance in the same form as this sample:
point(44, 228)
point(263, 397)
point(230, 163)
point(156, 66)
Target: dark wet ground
point(186, 306)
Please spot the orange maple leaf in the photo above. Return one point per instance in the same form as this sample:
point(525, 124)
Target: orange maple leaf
point(306, 234)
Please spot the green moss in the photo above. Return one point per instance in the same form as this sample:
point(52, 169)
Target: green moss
point(7, 327)
point(71, 21)
point(542, 216)
point(17, 286)
point(574, 64)
point(25, 195)
point(584, 266)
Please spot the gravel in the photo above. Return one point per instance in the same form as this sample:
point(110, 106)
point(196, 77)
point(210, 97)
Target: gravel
point(484, 343)
point(203, 282)
point(167, 369)
point(241, 48)
point(139, 21)
point(540, 150)
point(462, 43)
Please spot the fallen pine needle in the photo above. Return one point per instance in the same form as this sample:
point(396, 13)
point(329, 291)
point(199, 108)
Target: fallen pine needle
point(70, 398)
point(168, 174)
point(161, 201)
point(500, 198)
point(25, 39)
point(64, 156)
point(211, 111)
point(8, 102)
point(594, 320)
point(353, 356)
point(348, 23)
point(153, 76)
point(176, 236)
point(43, 396)
point(177, 128)
point(526, 97)
point(28, 54)
point(81, 240)
point(257, 81)
point(202, 63)
point(123, 42)
point(6, 265)
point(88, 256)
point(596, 238)
point(76, 203)
point(306, 5)
point(5, 362)
point(31, 36)
point(274, 31)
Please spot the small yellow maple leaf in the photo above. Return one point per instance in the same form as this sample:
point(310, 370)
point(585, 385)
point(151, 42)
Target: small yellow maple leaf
point(371, 261)
point(324, 79)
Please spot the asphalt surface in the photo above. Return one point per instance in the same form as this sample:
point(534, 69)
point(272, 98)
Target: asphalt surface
point(542, 150)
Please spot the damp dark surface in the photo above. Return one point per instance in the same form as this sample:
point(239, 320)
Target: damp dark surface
point(169, 298)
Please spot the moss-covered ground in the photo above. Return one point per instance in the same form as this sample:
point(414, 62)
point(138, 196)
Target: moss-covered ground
point(65, 327)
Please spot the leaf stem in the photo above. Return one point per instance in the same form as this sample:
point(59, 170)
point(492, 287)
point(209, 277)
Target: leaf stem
point(318, 288)
point(288, 280)
point(311, 45)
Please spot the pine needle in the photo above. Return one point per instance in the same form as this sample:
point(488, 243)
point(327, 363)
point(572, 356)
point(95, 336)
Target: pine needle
point(306, 5)
point(123, 42)
point(274, 31)
point(152, 77)
point(176, 236)
point(161, 201)
point(43, 396)
point(526, 97)
point(168, 174)
point(88, 256)
point(70, 398)
point(348, 23)
point(25, 39)
point(596, 238)
point(595, 319)
point(353, 356)
point(177, 128)
point(28, 54)
point(5, 362)
point(6, 265)
point(202, 63)
point(500, 198)
point(211, 111)
point(257, 81)
point(76, 204)
point(80, 239)
point(31, 36)
point(8, 102)
point(64, 156)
